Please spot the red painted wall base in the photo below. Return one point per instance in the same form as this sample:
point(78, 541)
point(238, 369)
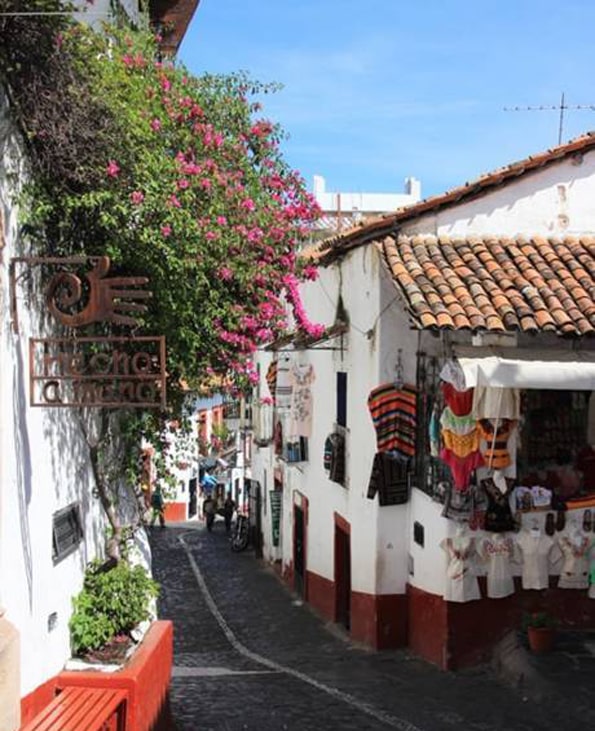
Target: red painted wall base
point(176, 512)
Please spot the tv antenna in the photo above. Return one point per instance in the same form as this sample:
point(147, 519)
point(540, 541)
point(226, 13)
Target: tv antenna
point(561, 107)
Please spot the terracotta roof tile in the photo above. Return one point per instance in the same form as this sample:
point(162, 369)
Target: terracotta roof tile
point(496, 284)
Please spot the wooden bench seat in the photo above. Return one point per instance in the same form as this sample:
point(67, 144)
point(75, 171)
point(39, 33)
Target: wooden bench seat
point(83, 709)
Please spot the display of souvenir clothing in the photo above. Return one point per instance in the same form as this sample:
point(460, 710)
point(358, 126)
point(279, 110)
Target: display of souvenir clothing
point(457, 505)
point(459, 402)
point(575, 553)
point(393, 412)
point(461, 581)
point(461, 445)
point(453, 373)
point(491, 402)
point(271, 379)
point(537, 553)
point(479, 506)
point(496, 434)
point(461, 468)
point(434, 432)
point(283, 385)
point(334, 457)
point(457, 424)
point(301, 378)
point(389, 479)
point(499, 518)
point(499, 552)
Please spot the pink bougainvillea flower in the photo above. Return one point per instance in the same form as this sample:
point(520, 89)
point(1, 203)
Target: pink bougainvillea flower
point(226, 274)
point(127, 60)
point(248, 204)
point(155, 125)
point(182, 184)
point(166, 230)
point(221, 220)
point(174, 201)
point(112, 169)
point(137, 197)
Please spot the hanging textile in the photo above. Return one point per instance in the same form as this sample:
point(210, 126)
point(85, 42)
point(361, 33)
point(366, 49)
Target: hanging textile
point(389, 479)
point(496, 453)
point(283, 387)
point(337, 460)
point(459, 402)
point(393, 412)
point(461, 468)
point(496, 403)
point(300, 416)
point(271, 379)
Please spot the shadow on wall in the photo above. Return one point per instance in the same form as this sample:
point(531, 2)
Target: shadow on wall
point(23, 463)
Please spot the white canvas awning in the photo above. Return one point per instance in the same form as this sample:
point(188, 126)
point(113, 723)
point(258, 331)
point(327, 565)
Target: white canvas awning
point(561, 370)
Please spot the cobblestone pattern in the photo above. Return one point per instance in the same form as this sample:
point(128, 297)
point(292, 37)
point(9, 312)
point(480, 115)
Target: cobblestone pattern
point(319, 678)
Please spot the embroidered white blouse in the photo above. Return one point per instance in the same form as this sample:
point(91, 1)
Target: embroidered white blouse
point(461, 581)
point(537, 551)
point(575, 569)
point(498, 551)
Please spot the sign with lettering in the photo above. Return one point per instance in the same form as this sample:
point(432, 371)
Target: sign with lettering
point(93, 371)
point(97, 372)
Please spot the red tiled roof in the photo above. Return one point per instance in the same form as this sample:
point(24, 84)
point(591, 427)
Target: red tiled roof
point(332, 247)
point(496, 284)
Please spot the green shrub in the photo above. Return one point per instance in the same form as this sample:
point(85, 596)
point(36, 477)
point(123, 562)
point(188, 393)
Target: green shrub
point(112, 602)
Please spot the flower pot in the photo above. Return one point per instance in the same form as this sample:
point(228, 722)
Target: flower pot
point(541, 639)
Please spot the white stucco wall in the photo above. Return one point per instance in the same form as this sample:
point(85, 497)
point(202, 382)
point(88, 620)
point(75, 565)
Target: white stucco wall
point(553, 201)
point(44, 467)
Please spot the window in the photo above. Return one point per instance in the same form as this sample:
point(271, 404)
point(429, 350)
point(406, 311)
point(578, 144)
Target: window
point(342, 399)
point(296, 451)
point(67, 532)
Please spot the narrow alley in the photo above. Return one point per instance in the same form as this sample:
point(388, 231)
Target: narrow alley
point(249, 655)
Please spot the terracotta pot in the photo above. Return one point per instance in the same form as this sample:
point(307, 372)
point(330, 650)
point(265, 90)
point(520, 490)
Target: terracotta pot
point(541, 639)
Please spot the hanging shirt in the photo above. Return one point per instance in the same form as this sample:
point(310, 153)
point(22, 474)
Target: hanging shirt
point(393, 413)
point(575, 569)
point(389, 479)
point(499, 518)
point(457, 424)
point(495, 452)
point(461, 581)
point(461, 468)
point(461, 445)
point(271, 379)
point(283, 385)
point(300, 418)
point(499, 552)
point(459, 402)
point(536, 550)
point(491, 402)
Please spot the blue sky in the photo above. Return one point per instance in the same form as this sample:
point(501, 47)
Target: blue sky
point(375, 91)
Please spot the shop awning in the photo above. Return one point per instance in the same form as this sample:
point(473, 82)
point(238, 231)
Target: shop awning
point(561, 370)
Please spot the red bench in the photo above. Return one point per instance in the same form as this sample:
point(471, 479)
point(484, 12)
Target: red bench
point(83, 709)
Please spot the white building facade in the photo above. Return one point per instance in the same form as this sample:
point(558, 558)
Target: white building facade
point(380, 570)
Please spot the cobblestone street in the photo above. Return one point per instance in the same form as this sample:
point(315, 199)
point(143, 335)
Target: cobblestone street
point(248, 655)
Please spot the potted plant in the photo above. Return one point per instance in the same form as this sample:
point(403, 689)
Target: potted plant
point(541, 631)
point(115, 599)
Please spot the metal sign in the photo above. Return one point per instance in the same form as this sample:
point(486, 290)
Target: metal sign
point(93, 371)
point(104, 372)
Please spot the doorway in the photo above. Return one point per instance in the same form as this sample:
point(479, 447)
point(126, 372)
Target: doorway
point(299, 559)
point(343, 575)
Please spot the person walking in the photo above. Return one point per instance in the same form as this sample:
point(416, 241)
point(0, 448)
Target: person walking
point(229, 507)
point(209, 507)
point(157, 507)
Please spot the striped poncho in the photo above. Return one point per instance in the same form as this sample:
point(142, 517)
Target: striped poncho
point(393, 414)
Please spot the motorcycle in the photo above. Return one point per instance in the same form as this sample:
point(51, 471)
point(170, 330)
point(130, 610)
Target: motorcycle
point(241, 533)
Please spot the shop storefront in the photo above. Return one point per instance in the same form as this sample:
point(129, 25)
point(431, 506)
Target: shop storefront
point(508, 460)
